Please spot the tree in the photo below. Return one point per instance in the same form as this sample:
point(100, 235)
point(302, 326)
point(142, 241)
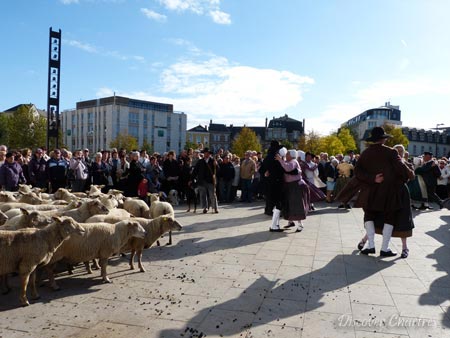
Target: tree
point(26, 129)
point(312, 142)
point(347, 140)
point(301, 144)
point(124, 141)
point(397, 135)
point(331, 145)
point(287, 144)
point(4, 129)
point(147, 146)
point(190, 145)
point(245, 140)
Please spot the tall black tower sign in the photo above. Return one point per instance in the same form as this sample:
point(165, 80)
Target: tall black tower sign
point(54, 72)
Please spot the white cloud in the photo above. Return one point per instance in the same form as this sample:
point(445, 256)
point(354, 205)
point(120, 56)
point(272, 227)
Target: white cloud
point(404, 43)
point(227, 93)
point(404, 63)
point(153, 15)
point(220, 17)
point(81, 45)
point(199, 7)
point(69, 2)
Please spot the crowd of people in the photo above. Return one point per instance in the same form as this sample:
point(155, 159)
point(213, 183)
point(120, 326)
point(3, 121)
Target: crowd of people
point(386, 181)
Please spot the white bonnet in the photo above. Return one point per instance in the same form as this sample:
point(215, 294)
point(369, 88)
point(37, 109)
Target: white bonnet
point(293, 153)
point(282, 152)
point(301, 154)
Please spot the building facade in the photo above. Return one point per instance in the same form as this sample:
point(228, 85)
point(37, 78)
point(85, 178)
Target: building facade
point(198, 135)
point(95, 123)
point(375, 117)
point(421, 140)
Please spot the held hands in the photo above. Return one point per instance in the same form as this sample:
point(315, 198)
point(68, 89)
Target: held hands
point(277, 157)
point(379, 178)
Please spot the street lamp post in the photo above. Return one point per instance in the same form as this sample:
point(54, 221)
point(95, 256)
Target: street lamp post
point(437, 137)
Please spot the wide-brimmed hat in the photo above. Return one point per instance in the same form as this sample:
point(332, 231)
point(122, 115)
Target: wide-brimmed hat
point(377, 134)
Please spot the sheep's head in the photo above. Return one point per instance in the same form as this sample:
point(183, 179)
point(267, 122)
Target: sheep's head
point(61, 193)
point(153, 198)
point(35, 219)
point(96, 207)
point(6, 197)
point(135, 229)
point(30, 198)
point(24, 188)
point(169, 223)
point(68, 226)
point(95, 190)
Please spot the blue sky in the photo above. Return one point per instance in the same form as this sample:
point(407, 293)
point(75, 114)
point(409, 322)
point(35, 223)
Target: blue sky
point(237, 61)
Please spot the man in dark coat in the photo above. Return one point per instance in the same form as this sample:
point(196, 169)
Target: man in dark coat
point(384, 174)
point(430, 172)
point(205, 173)
point(11, 174)
point(273, 173)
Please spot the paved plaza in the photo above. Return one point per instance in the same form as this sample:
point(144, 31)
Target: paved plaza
point(227, 276)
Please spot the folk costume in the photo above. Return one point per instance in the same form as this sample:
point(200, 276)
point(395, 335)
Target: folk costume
point(384, 196)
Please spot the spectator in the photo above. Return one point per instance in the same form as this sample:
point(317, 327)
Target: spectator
point(442, 181)
point(236, 178)
point(248, 168)
point(171, 170)
point(225, 174)
point(99, 171)
point(80, 171)
point(135, 176)
point(205, 173)
point(37, 170)
point(11, 174)
point(57, 171)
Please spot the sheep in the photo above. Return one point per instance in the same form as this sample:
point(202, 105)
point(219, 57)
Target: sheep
point(23, 250)
point(101, 240)
point(109, 201)
point(56, 210)
point(158, 208)
point(31, 198)
point(3, 218)
point(136, 207)
point(114, 216)
point(28, 219)
point(7, 196)
point(95, 190)
point(86, 210)
point(155, 228)
point(64, 194)
point(40, 207)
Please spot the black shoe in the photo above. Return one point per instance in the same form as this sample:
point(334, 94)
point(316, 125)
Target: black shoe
point(422, 207)
point(347, 206)
point(312, 208)
point(361, 245)
point(341, 206)
point(276, 230)
point(405, 253)
point(388, 253)
point(289, 225)
point(368, 251)
point(205, 211)
point(429, 207)
point(414, 207)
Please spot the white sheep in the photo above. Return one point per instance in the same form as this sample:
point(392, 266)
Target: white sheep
point(95, 191)
point(155, 228)
point(136, 207)
point(57, 209)
point(3, 218)
point(28, 219)
point(86, 210)
point(23, 250)
point(114, 216)
point(7, 196)
point(158, 208)
point(31, 198)
point(16, 205)
point(101, 240)
point(64, 194)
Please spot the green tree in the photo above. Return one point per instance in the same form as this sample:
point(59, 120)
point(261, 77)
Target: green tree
point(312, 142)
point(4, 129)
point(397, 135)
point(190, 145)
point(245, 140)
point(26, 129)
point(147, 146)
point(301, 144)
point(331, 145)
point(124, 141)
point(287, 144)
point(347, 139)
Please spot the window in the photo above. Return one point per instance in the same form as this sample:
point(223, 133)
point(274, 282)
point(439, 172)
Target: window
point(133, 131)
point(133, 118)
point(160, 133)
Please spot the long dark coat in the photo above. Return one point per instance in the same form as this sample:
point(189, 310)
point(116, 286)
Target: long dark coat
point(385, 196)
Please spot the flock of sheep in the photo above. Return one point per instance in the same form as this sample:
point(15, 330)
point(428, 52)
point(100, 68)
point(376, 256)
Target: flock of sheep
point(39, 230)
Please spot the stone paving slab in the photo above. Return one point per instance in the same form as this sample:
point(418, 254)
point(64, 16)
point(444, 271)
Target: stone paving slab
point(227, 276)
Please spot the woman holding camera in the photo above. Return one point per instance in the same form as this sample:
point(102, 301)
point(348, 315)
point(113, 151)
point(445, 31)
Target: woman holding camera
point(80, 172)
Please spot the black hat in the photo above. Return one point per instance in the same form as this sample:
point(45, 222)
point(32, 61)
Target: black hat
point(377, 134)
point(427, 153)
point(9, 154)
point(205, 150)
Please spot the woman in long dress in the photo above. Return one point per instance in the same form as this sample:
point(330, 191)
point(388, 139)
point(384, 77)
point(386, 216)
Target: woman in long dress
point(295, 191)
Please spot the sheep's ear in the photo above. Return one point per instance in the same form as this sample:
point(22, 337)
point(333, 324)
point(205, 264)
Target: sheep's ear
point(21, 192)
point(57, 219)
point(24, 211)
point(110, 197)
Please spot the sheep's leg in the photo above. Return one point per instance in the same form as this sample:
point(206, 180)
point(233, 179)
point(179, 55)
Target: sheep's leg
point(132, 254)
point(139, 254)
point(51, 277)
point(157, 243)
point(103, 265)
point(24, 278)
point(34, 292)
point(170, 238)
point(95, 265)
point(70, 269)
point(88, 267)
